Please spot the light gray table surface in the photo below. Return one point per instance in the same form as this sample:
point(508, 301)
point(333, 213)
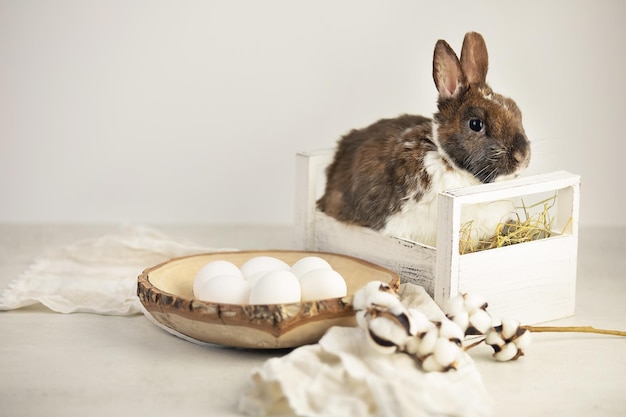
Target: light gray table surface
point(55, 364)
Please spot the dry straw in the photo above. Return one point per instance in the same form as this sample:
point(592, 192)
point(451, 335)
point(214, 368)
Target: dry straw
point(520, 229)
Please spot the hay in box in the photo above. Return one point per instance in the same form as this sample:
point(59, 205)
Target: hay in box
point(523, 226)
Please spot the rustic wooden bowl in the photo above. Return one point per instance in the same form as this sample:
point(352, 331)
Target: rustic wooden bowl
point(166, 293)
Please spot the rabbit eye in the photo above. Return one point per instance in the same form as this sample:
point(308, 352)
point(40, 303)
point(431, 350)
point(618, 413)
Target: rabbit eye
point(476, 125)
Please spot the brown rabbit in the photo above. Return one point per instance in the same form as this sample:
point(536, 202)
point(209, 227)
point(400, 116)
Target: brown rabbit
point(387, 176)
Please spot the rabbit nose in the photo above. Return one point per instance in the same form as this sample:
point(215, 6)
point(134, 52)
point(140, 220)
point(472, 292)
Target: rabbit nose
point(519, 156)
point(520, 148)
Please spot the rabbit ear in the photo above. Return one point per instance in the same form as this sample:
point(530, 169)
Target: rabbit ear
point(474, 58)
point(447, 72)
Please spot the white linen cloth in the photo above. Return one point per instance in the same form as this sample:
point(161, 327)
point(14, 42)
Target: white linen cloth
point(96, 275)
point(342, 376)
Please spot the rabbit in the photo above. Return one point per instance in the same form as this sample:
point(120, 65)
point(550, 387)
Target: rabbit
point(387, 176)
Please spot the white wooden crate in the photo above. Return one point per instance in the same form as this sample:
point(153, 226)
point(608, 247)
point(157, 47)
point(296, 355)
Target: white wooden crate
point(532, 282)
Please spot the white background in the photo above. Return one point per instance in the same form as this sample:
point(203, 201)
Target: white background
point(192, 111)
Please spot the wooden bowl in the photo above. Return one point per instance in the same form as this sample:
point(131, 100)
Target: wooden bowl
point(166, 292)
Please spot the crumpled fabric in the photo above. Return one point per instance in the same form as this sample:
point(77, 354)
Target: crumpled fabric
point(96, 275)
point(342, 376)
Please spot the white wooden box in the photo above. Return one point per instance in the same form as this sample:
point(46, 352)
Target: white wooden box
point(532, 282)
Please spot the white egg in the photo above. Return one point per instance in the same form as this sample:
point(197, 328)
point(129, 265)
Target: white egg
point(262, 263)
point(320, 284)
point(276, 287)
point(255, 277)
point(214, 269)
point(309, 263)
point(225, 289)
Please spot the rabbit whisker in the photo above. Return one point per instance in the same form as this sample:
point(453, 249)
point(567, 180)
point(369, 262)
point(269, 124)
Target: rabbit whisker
point(492, 175)
point(480, 173)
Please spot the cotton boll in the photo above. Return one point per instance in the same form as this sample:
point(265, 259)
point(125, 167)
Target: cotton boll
point(388, 330)
point(430, 364)
point(225, 289)
point(362, 320)
point(411, 345)
point(262, 263)
point(276, 287)
point(449, 330)
point(474, 302)
point(509, 328)
point(506, 353)
point(508, 340)
point(446, 352)
point(494, 338)
point(362, 298)
point(213, 269)
point(455, 305)
point(380, 345)
point(469, 312)
point(320, 284)
point(309, 263)
point(384, 300)
point(427, 342)
point(419, 322)
point(524, 340)
point(481, 320)
point(461, 319)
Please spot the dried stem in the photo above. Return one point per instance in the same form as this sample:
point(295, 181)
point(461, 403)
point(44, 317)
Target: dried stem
point(476, 343)
point(573, 329)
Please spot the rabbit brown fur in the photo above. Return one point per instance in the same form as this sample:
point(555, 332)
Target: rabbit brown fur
point(387, 176)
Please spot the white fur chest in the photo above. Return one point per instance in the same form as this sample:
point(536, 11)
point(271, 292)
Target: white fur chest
point(417, 220)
